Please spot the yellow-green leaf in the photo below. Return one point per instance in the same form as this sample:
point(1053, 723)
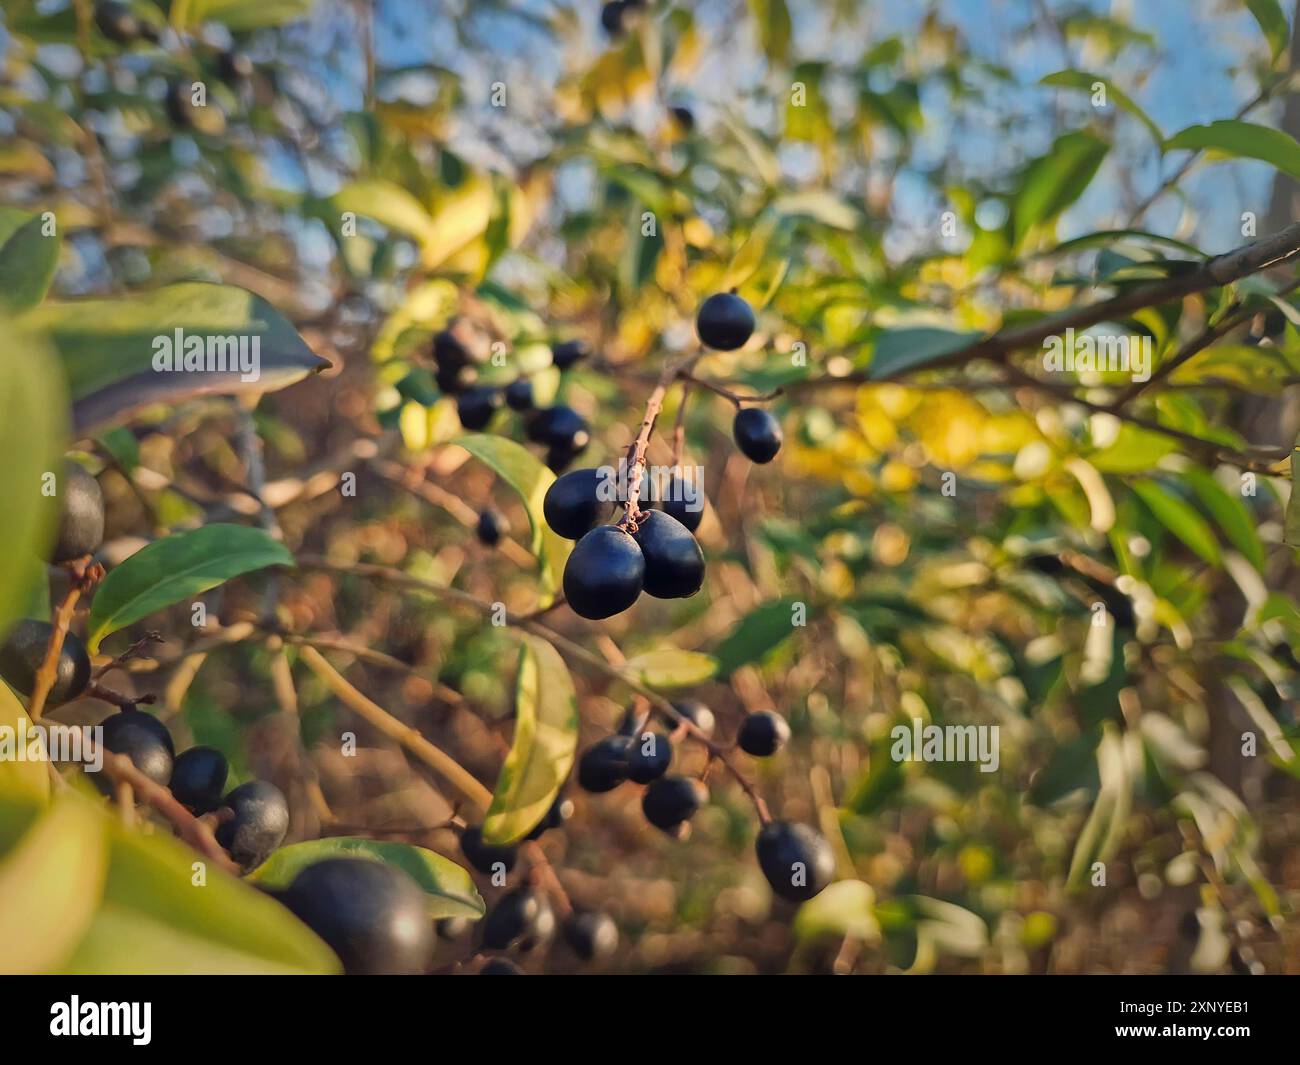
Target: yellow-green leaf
point(671, 668)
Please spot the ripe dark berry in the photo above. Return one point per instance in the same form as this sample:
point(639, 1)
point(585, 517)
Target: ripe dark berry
point(564, 355)
point(725, 322)
point(559, 459)
point(371, 914)
point(492, 525)
point(561, 810)
point(117, 22)
point(143, 739)
point(649, 757)
point(453, 927)
point(23, 651)
point(448, 351)
point(81, 515)
point(519, 394)
point(796, 860)
point(669, 802)
point(199, 778)
point(674, 563)
point(763, 733)
point(453, 380)
point(611, 17)
point(591, 934)
point(487, 858)
point(259, 825)
point(685, 501)
point(477, 406)
point(234, 67)
point(697, 713)
point(500, 967)
point(604, 574)
point(603, 766)
point(684, 118)
point(757, 434)
point(559, 427)
point(573, 506)
point(522, 919)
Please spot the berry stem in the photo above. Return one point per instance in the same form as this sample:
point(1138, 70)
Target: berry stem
point(85, 574)
point(636, 453)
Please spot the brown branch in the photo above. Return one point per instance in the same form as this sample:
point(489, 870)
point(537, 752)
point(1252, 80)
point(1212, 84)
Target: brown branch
point(636, 453)
point(84, 575)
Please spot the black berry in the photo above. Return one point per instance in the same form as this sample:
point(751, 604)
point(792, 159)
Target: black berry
point(573, 506)
point(448, 351)
point(725, 322)
point(604, 765)
point(486, 857)
point(199, 778)
point(234, 67)
point(559, 427)
point(522, 919)
point(561, 810)
point(670, 802)
point(491, 527)
point(477, 406)
point(372, 915)
point(757, 434)
point(684, 118)
point(519, 394)
point(453, 927)
point(697, 713)
point(23, 651)
point(453, 380)
point(117, 22)
point(259, 825)
point(500, 967)
point(684, 501)
point(144, 740)
point(796, 860)
point(559, 459)
point(674, 563)
point(763, 733)
point(81, 515)
point(565, 354)
point(604, 573)
point(611, 17)
point(591, 934)
point(649, 757)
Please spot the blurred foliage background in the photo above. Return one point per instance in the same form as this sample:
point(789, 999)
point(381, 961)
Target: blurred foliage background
point(883, 182)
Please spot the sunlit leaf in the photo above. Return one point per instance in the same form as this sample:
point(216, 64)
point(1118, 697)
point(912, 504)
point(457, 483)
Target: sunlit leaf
point(670, 668)
point(1233, 138)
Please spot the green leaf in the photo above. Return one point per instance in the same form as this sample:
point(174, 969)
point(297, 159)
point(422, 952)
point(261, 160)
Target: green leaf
point(240, 14)
point(757, 633)
point(175, 568)
point(1231, 513)
point(22, 778)
point(1291, 531)
point(108, 347)
point(544, 745)
point(1236, 139)
point(1050, 184)
point(1272, 21)
point(33, 431)
point(671, 668)
point(844, 908)
point(1084, 82)
point(521, 470)
point(450, 888)
point(899, 351)
point(1180, 518)
point(27, 262)
point(772, 19)
point(51, 883)
point(1110, 236)
point(388, 204)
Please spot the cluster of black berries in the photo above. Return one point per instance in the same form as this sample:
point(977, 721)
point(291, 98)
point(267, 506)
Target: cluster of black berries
point(560, 429)
point(522, 919)
point(120, 24)
point(796, 860)
point(725, 322)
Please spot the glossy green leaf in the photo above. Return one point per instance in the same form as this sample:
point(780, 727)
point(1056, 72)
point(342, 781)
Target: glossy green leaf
point(1272, 23)
point(670, 668)
point(901, 351)
point(1051, 183)
point(1180, 518)
point(1084, 82)
point(523, 472)
point(1233, 139)
point(772, 20)
point(757, 633)
point(1231, 514)
point(450, 888)
point(33, 434)
point(51, 882)
point(176, 568)
point(110, 348)
point(28, 258)
point(543, 748)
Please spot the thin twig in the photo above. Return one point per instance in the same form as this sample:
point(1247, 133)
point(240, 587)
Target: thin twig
point(84, 574)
